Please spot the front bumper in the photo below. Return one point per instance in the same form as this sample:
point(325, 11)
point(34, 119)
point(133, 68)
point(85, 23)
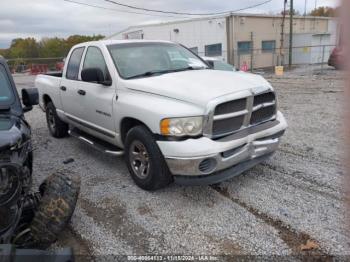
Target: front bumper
point(204, 156)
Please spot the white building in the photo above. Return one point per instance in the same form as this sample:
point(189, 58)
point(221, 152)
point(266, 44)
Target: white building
point(245, 38)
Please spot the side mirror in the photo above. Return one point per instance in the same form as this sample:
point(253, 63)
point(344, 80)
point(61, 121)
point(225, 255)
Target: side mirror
point(95, 75)
point(30, 98)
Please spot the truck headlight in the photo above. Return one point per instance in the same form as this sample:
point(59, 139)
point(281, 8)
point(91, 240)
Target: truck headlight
point(188, 126)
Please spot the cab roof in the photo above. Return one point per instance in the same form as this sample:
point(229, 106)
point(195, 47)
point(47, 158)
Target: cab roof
point(113, 42)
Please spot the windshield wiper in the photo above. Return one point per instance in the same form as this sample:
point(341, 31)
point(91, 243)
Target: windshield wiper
point(149, 73)
point(189, 68)
point(156, 72)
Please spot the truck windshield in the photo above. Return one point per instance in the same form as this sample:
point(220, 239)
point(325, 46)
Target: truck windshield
point(6, 93)
point(135, 60)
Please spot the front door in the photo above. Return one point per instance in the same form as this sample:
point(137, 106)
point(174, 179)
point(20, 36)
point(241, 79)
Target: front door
point(98, 102)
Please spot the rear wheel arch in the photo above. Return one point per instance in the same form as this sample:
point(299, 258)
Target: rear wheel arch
point(56, 126)
point(47, 99)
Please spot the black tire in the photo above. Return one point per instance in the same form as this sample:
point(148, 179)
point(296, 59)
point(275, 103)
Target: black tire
point(56, 126)
point(158, 174)
point(59, 197)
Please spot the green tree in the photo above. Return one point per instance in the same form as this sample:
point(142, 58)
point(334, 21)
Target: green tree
point(24, 48)
point(77, 39)
point(295, 12)
point(47, 47)
point(324, 11)
point(52, 47)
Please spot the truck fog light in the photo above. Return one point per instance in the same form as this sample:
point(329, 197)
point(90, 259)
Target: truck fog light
point(207, 165)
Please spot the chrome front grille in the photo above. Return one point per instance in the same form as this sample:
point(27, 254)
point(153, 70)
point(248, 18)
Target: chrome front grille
point(228, 125)
point(232, 116)
point(231, 106)
point(262, 115)
point(264, 98)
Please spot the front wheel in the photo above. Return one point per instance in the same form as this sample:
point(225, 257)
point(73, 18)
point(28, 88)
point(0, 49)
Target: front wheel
point(144, 160)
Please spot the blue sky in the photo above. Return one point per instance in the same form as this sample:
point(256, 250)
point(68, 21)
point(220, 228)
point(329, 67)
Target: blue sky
point(48, 18)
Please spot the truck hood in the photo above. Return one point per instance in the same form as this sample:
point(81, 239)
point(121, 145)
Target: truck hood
point(198, 86)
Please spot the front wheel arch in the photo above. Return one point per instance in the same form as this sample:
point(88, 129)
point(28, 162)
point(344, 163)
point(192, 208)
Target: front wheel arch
point(127, 124)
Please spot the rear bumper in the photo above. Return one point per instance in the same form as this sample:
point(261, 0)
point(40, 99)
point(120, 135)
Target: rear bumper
point(205, 157)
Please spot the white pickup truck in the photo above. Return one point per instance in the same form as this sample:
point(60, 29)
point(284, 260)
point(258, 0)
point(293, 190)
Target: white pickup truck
point(161, 106)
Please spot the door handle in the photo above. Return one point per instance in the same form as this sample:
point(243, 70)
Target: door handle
point(81, 92)
point(63, 88)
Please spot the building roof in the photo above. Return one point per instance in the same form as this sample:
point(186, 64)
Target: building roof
point(217, 17)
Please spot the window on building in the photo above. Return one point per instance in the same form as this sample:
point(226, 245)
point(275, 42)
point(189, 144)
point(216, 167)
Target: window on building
point(194, 50)
point(74, 63)
point(244, 47)
point(213, 50)
point(268, 46)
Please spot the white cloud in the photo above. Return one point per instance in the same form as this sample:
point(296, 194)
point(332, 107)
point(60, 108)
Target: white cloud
point(48, 18)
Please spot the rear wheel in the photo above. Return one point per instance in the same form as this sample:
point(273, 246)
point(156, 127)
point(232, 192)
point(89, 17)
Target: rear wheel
point(144, 160)
point(56, 126)
point(59, 197)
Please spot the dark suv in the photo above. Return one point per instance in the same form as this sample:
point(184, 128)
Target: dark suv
point(27, 220)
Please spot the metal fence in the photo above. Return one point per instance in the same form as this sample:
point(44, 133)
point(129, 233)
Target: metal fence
point(35, 65)
point(254, 59)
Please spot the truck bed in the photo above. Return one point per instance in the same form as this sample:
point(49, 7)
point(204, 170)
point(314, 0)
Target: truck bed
point(55, 74)
point(49, 84)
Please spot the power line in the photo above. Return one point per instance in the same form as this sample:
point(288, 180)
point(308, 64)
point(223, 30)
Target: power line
point(119, 10)
point(180, 13)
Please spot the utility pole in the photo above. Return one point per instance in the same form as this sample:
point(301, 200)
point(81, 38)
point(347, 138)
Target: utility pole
point(251, 52)
point(305, 6)
point(281, 59)
point(291, 33)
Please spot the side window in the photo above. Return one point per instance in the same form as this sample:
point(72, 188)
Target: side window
point(213, 50)
point(95, 59)
point(244, 47)
point(74, 63)
point(268, 46)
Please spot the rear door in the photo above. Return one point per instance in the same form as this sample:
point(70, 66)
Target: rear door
point(72, 101)
point(98, 101)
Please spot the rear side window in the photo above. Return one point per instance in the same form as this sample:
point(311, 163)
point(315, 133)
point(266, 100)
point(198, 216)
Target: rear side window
point(74, 64)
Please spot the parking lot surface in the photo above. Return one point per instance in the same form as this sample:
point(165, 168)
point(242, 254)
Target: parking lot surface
point(274, 208)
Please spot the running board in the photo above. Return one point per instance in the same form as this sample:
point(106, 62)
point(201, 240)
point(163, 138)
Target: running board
point(96, 143)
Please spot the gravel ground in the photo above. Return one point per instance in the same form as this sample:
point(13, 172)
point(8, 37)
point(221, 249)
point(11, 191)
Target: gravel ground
point(271, 209)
